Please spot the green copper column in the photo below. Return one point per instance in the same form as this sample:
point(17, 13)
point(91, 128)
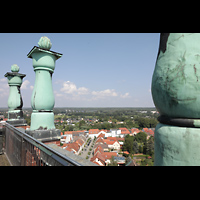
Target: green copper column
point(42, 101)
point(15, 103)
point(176, 95)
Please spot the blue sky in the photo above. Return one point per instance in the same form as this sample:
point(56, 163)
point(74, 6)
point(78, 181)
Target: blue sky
point(96, 69)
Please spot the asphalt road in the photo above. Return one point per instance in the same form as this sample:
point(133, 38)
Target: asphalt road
point(84, 153)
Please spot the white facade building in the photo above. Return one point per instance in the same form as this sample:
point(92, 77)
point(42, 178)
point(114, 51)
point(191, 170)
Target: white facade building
point(114, 133)
point(66, 138)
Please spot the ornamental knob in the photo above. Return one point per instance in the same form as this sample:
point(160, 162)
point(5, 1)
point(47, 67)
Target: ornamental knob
point(45, 43)
point(14, 68)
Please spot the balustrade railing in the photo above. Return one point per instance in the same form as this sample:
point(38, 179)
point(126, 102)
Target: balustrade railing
point(23, 150)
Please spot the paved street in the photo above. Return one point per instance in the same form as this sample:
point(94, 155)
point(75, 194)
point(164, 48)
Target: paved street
point(84, 153)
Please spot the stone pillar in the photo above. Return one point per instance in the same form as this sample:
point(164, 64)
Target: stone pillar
point(15, 103)
point(176, 95)
point(42, 101)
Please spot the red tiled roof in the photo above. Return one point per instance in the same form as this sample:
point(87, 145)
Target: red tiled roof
point(104, 146)
point(151, 132)
point(71, 132)
point(124, 131)
point(98, 149)
point(99, 140)
point(99, 156)
point(115, 138)
point(108, 155)
point(135, 130)
point(64, 145)
point(69, 149)
point(80, 142)
point(101, 135)
point(68, 132)
point(148, 131)
point(145, 129)
point(104, 156)
point(110, 142)
point(71, 146)
point(93, 131)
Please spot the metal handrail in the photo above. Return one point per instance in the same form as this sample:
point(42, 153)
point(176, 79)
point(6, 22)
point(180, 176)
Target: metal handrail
point(62, 159)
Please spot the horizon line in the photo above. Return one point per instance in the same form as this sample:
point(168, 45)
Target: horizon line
point(91, 107)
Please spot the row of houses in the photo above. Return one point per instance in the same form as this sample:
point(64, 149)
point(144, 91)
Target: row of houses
point(77, 138)
point(120, 132)
point(94, 133)
point(113, 139)
point(102, 155)
point(107, 140)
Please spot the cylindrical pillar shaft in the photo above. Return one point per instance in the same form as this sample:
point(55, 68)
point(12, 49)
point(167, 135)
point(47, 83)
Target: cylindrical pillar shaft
point(42, 96)
point(14, 99)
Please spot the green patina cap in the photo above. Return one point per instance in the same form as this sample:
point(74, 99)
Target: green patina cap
point(15, 72)
point(14, 68)
point(45, 43)
point(44, 46)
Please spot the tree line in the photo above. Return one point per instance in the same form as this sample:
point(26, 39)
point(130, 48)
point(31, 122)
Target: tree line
point(140, 144)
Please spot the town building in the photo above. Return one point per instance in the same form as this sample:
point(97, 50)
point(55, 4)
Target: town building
point(113, 133)
point(149, 132)
point(93, 133)
point(112, 144)
point(135, 131)
point(75, 146)
point(107, 143)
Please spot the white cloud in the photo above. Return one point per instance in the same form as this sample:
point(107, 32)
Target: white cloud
point(83, 91)
point(4, 89)
point(70, 92)
point(126, 95)
point(25, 84)
point(70, 88)
point(105, 93)
point(3, 80)
point(58, 94)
